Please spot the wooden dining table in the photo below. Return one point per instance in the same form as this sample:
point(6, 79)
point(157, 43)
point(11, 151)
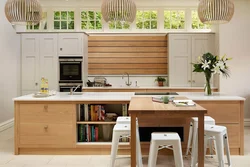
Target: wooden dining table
point(146, 106)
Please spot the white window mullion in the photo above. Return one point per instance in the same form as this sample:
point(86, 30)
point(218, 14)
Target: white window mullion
point(188, 19)
point(160, 19)
point(77, 19)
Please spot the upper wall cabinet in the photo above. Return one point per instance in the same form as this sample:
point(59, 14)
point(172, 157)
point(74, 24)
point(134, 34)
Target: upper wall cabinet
point(70, 44)
point(39, 58)
point(185, 49)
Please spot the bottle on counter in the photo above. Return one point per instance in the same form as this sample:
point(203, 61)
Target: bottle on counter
point(46, 86)
point(42, 85)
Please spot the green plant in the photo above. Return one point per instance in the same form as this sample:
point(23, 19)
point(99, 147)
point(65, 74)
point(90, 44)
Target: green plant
point(160, 79)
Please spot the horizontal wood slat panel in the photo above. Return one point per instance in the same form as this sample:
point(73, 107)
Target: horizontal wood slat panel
point(130, 71)
point(128, 60)
point(127, 49)
point(131, 44)
point(130, 66)
point(119, 55)
point(127, 38)
point(138, 55)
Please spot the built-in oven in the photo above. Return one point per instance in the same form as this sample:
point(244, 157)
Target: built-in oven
point(65, 87)
point(70, 68)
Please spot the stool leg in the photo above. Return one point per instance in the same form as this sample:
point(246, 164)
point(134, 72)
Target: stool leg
point(153, 152)
point(114, 148)
point(205, 144)
point(194, 155)
point(220, 149)
point(211, 147)
point(178, 154)
point(226, 145)
point(138, 149)
point(189, 138)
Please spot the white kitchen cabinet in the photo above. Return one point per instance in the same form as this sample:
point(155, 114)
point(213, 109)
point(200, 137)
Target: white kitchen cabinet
point(70, 44)
point(39, 58)
point(184, 49)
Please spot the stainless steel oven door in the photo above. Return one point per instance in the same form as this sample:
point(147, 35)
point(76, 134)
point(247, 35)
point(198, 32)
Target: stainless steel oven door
point(70, 69)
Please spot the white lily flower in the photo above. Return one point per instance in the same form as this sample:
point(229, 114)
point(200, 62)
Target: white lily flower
point(205, 64)
point(216, 69)
point(221, 65)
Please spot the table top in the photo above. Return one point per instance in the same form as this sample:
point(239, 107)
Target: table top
point(145, 104)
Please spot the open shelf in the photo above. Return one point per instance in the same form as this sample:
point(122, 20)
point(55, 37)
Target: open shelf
point(95, 122)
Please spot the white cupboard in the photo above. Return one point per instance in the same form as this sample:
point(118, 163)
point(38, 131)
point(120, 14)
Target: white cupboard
point(70, 44)
point(184, 49)
point(39, 58)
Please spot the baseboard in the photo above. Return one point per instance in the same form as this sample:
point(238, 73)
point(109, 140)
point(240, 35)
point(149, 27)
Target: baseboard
point(247, 122)
point(7, 124)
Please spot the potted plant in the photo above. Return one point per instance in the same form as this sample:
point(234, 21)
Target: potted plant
point(160, 80)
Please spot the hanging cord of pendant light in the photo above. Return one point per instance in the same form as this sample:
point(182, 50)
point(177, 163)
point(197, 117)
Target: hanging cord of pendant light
point(23, 11)
point(118, 10)
point(215, 11)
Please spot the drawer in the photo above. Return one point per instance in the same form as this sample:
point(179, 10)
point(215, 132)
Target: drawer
point(47, 113)
point(46, 134)
point(233, 131)
point(222, 112)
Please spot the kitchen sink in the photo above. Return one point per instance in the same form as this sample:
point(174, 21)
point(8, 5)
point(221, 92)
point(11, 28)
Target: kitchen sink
point(156, 93)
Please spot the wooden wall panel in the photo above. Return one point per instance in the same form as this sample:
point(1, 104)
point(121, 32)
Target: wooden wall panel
point(141, 55)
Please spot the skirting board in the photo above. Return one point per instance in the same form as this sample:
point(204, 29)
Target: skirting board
point(247, 122)
point(7, 124)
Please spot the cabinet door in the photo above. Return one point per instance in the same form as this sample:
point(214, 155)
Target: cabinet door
point(70, 44)
point(180, 60)
point(30, 62)
point(201, 43)
point(49, 59)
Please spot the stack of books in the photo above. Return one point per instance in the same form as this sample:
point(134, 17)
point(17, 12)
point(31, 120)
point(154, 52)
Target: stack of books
point(183, 103)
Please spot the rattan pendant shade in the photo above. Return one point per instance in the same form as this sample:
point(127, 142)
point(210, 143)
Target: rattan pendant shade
point(119, 10)
point(215, 11)
point(23, 11)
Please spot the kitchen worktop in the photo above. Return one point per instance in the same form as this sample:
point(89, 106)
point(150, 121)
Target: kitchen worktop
point(144, 87)
point(123, 96)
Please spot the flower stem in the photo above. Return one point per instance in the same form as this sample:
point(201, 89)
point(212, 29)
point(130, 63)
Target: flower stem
point(208, 85)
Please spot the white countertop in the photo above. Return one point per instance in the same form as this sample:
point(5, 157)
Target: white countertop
point(123, 96)
point(144, 87)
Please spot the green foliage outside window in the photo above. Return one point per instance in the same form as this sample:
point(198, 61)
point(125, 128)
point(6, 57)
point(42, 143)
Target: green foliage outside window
point(91, 20)
point(174, 19)
point(196, 22)
point(120, 25)
point(146, 19)
point(64, 20)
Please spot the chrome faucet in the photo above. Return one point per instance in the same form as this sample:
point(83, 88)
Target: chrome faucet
point(128, 83)
point(73, 90)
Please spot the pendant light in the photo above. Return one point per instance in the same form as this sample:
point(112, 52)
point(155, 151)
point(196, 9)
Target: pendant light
point(23, 12)
point(118, 10)
point(215, 11)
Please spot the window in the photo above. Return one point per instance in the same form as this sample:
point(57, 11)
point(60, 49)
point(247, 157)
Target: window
point(40, 26)
point(146, 19)
point(119, 25)
point(64, 20)
point(91, 20)
point(174, 19)
point(196, 23)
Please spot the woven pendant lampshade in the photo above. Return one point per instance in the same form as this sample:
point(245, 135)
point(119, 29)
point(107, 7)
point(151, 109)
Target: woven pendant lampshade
point(23, 11)
point(215, 11)
point(119, 10)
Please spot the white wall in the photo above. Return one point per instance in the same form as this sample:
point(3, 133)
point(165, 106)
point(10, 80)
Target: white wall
point(235, 42)
point(9, 66)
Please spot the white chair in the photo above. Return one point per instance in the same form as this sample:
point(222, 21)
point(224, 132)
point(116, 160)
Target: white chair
point(193, 132)
point(123, 120)
point(219, 133)
point(121, 131)
point(165, 140)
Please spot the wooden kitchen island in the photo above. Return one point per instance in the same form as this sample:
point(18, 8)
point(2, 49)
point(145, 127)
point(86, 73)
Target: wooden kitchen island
point(49, 125)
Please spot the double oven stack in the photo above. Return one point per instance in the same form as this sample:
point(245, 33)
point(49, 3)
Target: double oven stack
point(70, 73)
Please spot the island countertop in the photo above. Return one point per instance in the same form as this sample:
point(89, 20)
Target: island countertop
point(124, 96)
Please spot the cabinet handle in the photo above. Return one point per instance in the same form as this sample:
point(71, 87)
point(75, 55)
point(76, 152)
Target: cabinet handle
point(61, 49)
point(36, 83)
point(46, 127)
point(189, 80)
point(46, 108)
point(193, 81)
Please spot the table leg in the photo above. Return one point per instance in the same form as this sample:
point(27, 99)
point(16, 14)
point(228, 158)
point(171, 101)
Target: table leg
point(201, 140)
point(133, 140)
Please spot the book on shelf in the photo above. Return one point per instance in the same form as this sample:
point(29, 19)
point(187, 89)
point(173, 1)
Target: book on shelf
point(157, 99)
point(124, 110)
point(96, 133)
point(183, 103)
point(88, 133)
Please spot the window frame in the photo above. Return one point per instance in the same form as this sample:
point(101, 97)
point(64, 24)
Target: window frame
point(157, 19)
point(60, 10)
point(90, 30)
point(191, 22)
point(185, 19)
point(40, 29)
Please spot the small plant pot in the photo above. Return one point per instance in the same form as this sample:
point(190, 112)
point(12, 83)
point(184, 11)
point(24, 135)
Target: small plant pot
point(160, 83)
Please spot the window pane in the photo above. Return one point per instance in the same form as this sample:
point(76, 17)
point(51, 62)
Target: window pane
point(91, 25)
point(71, 15)
point(63, 15)
point(139, 25)
point(147, 24)
point(167, 19)
point(153, 15)
point(91, 15)
point(112, 25)
point(57, 15)
point(153, 24)
point(84, 15)
point(98, 25)
point(98, 16)
point(84, 25)
point(71, 25)
point(139, 15)
point(56, 25)
point(36, 27)
point(147, 15)
point(63, 25)
point(126, 26)
point(118, 25)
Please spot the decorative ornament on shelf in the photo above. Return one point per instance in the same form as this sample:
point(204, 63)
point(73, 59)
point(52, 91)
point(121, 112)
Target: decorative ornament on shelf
point(21, 12)
point(215, 11)
point(210, 64)
point(118, 10)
